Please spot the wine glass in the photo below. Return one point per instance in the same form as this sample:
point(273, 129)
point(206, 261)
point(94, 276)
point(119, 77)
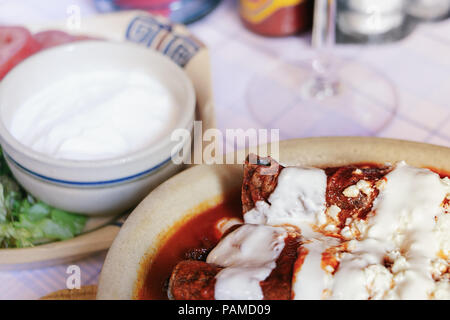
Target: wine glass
point(325, 96)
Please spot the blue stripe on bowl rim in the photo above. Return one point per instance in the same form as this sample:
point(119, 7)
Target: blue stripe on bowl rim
point(91, 183)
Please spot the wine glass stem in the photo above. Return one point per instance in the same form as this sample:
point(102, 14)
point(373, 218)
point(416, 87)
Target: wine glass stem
point(324, 28)
point(324, 82)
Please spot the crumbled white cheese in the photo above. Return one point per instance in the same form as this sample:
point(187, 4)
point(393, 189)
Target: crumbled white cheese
point(354, 190)
point(333, 212)
point(438, 267)
point(359, 227)
point(381, 184)
point(400, 251)
point(365, 187)
point(407, 229)
point(378, 281)
point(347, 233)
point(351, 192)
point(398, 261)
point(405, 220)
point(441, 291)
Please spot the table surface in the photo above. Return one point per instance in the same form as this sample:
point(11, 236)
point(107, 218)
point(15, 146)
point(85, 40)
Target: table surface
point(418, 66)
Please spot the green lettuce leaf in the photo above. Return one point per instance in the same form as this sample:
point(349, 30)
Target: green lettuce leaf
point(25, 221)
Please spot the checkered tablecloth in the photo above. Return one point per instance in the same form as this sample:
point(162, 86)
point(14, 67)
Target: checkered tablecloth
point(418, 66)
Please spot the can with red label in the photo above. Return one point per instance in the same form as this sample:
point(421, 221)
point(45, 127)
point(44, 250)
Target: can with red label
point(276, 17)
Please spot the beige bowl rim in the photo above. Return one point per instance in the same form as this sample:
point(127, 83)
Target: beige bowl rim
point(203, 186)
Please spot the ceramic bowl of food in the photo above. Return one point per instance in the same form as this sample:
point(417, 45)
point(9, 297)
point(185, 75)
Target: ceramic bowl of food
point(86, 127)
point(181, 241)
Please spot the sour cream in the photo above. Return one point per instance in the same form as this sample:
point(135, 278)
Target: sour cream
point(96, 115)
point(297, 199)
point(248, 256)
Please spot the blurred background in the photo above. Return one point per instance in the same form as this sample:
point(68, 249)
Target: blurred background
point(308, 68)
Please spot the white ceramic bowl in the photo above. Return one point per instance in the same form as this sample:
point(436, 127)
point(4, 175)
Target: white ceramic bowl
point(199, 188)
point(101, 186)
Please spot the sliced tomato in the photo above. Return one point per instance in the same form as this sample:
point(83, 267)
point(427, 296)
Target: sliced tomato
point(16, 44)
point(51, 38)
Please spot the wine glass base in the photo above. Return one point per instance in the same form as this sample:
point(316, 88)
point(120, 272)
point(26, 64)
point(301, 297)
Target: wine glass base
point(360, 102)
point(319, 88)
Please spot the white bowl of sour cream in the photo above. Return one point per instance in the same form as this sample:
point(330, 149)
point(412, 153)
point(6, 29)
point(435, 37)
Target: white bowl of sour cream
point(86, 127)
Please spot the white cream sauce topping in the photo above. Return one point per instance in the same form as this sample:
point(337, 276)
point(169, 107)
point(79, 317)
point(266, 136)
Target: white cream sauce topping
point(408, 228)
point(401, 253)
point(311, 280)
point(407, 212)
point(248, 255)
point(298, 198)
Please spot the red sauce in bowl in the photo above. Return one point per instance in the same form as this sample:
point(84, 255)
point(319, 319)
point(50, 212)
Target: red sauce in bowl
point(192, 238)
